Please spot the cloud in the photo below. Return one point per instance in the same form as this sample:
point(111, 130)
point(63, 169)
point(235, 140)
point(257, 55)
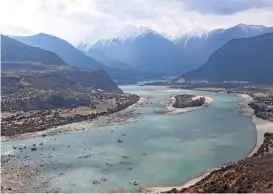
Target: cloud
point(79, 20)
point(225, 7)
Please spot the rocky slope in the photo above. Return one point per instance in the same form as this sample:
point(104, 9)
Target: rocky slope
point(263, 107)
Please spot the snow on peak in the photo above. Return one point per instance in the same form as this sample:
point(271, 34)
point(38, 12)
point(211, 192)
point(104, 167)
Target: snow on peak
point(128, 32)
point(132, 32)
point(250, 30)
point(196, 32)
point(250, 27)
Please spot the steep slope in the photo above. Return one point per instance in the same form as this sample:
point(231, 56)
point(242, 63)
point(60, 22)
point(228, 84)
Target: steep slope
point(96, 54)
point(118, 69)
point(245, 59)
point(15, 51)
point(61, 47)
point(144, 49)
point(195, 48)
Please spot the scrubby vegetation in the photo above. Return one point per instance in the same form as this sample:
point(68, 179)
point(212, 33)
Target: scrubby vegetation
point(35, 101)
point(185, 100)
point(37, 120)
point(263, 107)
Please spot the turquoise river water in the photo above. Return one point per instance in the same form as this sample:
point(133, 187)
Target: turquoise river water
point(162, 149)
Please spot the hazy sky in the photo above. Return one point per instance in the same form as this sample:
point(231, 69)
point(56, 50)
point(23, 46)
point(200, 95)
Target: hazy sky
point(78, 20)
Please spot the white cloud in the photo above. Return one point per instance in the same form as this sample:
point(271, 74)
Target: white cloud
point(78, 20)
point(226, 7)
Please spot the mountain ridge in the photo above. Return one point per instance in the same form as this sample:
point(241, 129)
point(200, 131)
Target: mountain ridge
point(15, 51)
point(63, 48)
point(204, 46)
point(243, 59)
point(150, 52)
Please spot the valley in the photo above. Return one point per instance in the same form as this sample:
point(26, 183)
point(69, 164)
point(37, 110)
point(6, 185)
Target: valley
point(111, 152)
point(135, 107)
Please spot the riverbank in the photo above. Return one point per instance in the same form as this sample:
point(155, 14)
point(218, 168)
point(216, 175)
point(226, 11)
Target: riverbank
point(110, 148)
point(250, 175)
point(21, 174)
point(189, 183)
point(123, 116)
point(262, 127)
point(168, 101)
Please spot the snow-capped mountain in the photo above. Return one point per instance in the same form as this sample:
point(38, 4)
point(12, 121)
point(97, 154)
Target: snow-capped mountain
point(132, 32)
point(251, 30)
point(197, 32)
point(196, 48)
point(127, 33)
point(243, 59)
point(240, 30)
point(142, 48)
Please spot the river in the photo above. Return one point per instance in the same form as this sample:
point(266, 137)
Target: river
point(157, 149)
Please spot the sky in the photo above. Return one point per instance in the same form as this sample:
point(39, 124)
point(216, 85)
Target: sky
point(90, 20)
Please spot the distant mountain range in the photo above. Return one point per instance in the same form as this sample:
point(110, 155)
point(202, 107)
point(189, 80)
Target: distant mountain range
point(152, 53)
point(61, 47)
point(76, 58)
point(244, 59)
point(46, 68)
point(146, 50)
point(140, 52)
point(13, 51)
point(117, 69)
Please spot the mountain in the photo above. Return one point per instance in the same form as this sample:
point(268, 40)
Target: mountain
point(15, 52)
point(45, 68)
point(111, 63)
point(96, 54)
point(180, 33)
point(61, 47)
point(128, 32)
point(144, 49)
point(121, 72)
point(77, 58)
point(244, 59)
point(195, 48)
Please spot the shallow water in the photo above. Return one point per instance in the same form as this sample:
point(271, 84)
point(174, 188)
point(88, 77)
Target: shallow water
point(162, 149)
